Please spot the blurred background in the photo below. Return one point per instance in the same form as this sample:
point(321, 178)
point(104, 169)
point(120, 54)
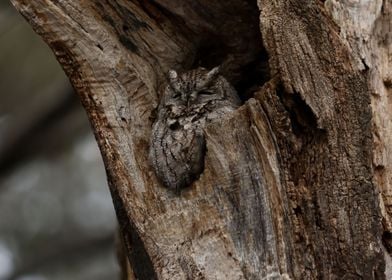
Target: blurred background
point(56, 216)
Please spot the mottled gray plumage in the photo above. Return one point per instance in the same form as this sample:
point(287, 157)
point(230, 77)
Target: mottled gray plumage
point(189, 102)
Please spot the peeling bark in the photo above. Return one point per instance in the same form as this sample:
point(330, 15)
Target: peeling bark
point(288, 190)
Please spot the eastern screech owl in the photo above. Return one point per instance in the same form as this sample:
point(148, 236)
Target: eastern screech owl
point(189, 102)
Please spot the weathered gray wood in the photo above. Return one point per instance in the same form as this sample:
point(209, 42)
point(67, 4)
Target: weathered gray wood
point(329, 177)
point(366, 27)
point(287, 188)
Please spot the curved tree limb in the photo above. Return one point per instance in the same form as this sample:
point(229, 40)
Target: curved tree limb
point(287, 188)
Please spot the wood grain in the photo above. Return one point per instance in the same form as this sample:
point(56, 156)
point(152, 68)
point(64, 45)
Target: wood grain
point(287, 191)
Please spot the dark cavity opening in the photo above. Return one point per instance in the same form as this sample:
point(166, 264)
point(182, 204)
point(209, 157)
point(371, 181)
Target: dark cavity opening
point(235, 43)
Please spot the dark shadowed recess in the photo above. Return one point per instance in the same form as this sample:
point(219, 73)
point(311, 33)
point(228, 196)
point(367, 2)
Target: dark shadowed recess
point(223, 33)
point(302, 119)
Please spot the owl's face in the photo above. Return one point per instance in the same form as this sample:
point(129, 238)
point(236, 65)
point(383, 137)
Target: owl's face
point(193, 89)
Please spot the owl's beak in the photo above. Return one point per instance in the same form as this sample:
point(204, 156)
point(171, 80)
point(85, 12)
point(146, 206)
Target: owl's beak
point(190, 98)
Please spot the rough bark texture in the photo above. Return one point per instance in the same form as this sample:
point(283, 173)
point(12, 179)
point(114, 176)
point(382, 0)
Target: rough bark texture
point(288, 185)
point(366, 26)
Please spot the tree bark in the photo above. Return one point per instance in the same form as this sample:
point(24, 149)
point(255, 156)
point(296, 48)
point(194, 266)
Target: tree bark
point(290, 188)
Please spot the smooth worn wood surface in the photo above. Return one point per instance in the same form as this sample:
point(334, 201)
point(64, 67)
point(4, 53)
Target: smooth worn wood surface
point(288, 187)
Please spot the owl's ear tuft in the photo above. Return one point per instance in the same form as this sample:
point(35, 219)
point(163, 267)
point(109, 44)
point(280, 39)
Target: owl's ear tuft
point(213, 72)
point(174, 80)
point(209, 78)
point(172, 74)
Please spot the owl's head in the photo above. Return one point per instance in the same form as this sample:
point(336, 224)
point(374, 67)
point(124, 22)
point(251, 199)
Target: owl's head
point(197, 87)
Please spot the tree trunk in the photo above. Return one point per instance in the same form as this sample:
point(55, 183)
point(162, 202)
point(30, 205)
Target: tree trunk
point(291, 183)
